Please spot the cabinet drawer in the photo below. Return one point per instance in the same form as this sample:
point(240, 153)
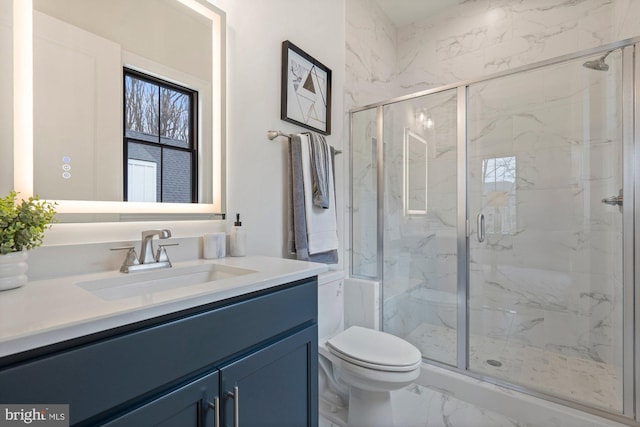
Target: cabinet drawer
point(103, 375)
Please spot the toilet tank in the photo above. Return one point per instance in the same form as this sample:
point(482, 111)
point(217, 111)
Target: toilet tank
point(330, 304)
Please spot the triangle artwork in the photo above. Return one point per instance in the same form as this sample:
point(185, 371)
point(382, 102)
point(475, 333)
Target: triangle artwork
point(307, 90)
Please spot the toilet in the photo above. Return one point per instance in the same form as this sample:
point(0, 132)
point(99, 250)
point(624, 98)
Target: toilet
point(358, 367)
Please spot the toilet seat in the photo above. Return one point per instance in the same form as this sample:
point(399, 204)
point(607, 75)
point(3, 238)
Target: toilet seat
point(375, 350)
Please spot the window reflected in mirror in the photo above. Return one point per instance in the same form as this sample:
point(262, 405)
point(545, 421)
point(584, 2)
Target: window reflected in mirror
point(159, 140)
point(499, 194)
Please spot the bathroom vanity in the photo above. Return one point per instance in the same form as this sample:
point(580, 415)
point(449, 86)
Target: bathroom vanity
point(245, 352)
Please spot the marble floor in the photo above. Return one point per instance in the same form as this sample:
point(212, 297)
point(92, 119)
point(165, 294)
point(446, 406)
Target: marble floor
point(417, 406)
point(578, 379)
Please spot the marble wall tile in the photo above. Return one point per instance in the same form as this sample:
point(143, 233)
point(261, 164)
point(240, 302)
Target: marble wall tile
point(482, 37)
point(625, 18)
point(362, 303)
point(370, 54)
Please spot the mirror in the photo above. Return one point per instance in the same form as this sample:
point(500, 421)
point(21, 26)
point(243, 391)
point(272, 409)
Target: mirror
point(415, 173)
point(81, 50)
point(6, 98)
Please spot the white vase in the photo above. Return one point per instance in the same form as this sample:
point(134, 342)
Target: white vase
point(13, 269)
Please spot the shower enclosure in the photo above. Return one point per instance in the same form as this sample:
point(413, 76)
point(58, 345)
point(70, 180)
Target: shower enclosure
point(498, 215)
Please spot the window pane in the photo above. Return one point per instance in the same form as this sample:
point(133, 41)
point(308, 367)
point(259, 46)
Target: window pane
point(141, 107)
point(140, 180)
point(174, 118)
point(176, 169)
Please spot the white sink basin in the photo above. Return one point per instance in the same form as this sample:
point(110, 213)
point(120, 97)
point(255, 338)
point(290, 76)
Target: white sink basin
point(137, 284)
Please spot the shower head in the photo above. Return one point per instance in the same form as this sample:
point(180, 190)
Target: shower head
point(598, 64)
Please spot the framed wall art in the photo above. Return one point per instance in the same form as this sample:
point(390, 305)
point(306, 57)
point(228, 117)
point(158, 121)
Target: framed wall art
point(306, 90)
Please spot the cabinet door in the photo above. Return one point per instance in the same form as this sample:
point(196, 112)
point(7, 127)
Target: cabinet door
point(182, 407)
point(276, 386)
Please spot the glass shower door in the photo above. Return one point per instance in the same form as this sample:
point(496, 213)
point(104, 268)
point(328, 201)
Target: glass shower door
point(420, 211)
point(364, 194)
point(545, 248)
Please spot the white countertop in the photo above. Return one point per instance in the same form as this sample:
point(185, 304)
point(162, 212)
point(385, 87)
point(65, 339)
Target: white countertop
point(45, 312)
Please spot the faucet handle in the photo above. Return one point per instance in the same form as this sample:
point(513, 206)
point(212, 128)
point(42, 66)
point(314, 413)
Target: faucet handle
point(132, 252)
point(161, 254)
point(131, 258)
point(168, 244)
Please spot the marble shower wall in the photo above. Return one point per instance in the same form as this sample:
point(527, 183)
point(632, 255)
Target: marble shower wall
point(482, 37)
point(370, 54)
point(370, 76)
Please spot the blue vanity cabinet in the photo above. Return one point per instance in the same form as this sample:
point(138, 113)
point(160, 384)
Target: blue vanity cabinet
point(167, 371)
point(271, 387)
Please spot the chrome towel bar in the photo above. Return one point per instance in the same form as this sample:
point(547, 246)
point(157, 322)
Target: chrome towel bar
point(273, 134)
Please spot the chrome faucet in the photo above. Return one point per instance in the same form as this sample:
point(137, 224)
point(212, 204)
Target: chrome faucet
point(147, 260)
point(146, 249)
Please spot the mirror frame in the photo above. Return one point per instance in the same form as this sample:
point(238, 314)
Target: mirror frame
point(92, 211)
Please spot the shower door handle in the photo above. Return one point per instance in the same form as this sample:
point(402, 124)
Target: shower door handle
point(480, 226)
point(614, 200)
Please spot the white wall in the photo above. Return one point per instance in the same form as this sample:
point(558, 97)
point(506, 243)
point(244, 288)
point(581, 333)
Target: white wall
point(257, 167)
point(159, 31)
point(77, 78)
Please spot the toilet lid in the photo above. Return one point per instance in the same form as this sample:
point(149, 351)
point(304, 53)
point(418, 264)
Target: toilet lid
point(374, 349)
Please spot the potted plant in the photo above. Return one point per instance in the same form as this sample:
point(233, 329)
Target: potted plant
point(22, 227)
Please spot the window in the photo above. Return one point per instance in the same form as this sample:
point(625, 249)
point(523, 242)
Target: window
point(160, 147)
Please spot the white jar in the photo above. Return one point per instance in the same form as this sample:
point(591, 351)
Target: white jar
point(214, 245)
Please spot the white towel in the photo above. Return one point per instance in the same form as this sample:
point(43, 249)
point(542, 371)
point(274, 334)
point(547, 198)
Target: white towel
point(322, 228)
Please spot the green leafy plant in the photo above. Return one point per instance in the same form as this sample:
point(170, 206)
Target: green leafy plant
point(22, 224)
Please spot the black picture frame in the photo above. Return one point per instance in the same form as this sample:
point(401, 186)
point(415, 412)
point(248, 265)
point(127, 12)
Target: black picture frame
point(305, 90)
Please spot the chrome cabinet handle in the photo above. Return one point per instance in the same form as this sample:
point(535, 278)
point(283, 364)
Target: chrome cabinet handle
point(236, 405)
point(480, 225)
point(215, 405)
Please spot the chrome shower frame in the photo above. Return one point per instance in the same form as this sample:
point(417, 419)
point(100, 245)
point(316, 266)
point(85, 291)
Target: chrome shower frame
point(631, 222)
